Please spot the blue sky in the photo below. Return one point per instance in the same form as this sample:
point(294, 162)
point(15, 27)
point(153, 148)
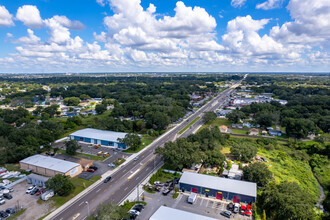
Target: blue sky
point(153, 35)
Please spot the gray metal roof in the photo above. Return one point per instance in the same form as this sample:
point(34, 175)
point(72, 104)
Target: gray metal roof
point(165, 213)
point(58, 165)
point(99, 134)
point(219, 183)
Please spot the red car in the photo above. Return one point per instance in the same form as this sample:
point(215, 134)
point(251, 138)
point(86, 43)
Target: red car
point(242, 210)
point(248, 210)
point(91, 170)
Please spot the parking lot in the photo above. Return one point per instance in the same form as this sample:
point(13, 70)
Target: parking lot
point(203, 206)
point(27, 201)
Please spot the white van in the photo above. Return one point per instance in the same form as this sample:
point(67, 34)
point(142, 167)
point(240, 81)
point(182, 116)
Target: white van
point(192, 198)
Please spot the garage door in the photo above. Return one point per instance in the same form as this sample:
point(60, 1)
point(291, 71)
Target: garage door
point(194, 190)
point(236, 199)
point(219, 195)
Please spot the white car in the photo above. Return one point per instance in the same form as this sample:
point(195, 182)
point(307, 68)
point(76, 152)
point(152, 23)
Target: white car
point(136, 158)
point(30, 189)
point(2, 201)
point(134, 212)
point(111, 165)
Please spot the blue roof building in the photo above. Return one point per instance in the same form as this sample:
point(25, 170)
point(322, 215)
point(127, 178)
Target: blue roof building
point(102, 137)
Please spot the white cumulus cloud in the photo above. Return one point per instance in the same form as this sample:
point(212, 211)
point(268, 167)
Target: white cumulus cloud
point(5, 17)
point(30, 16)
point(270, 4)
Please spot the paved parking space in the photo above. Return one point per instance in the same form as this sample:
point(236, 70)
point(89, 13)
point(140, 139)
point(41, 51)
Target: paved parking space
point(202, 206)
point(27, 201)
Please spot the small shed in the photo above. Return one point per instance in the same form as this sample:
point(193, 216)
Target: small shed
point(37, 180)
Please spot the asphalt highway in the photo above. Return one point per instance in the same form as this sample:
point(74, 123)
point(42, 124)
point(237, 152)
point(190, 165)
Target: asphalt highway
point(128, 177)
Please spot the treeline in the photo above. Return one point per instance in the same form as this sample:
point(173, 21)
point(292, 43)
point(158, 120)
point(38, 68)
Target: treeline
point(307, 111)
point(20, 137)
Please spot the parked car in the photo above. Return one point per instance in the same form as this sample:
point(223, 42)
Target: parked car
point(93, 167)
point(168, 182)
point(138, 207)
point(166, 191)
point(100, 153)
point(236, 208)
point(30, 189)
point(136, 158)
point(111, 165)
point(3, 214)
point(176, 180)
point(10, 211)
point(248, 210)
point(158, 183)
point(134, 212)
point(192, 198)
point(230, 206)
point(7, 196)
point(2, 201)
point(157, 188)
point(90, 170)
point(106, 154)
point(34, 191)
point(226, 214)
point(242, 210)
point(11, 189)
point(107, 179)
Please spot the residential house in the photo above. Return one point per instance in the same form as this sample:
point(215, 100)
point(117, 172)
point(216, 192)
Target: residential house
point(223, 129)
point(275, 132)
point(254, 132)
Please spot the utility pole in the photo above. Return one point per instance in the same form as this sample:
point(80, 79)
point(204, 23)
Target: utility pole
point(88, 207)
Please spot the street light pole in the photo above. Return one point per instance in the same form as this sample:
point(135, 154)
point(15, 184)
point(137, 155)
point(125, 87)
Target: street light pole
point(88, 207)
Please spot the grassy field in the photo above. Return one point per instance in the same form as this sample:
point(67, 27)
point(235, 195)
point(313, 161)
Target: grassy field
point(162, 176)
point(239, 131)
point(190, 124)
point(216, 122)
point(80, 185)
point(323, 175)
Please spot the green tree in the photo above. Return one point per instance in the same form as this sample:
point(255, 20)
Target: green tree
point(286, 201)
point(84, 97)
point(100, 108)
point(71, 147)
point(131, 140)
point(209, 116)
point(243, 151)
point(258, 173)
point(71, 101)
point(61, 185)
point(299, 128)
point(235, 116)
point(110, 211)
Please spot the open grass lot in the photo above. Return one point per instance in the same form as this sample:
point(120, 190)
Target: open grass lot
point(216, 122)
point(162, 176)
point(240, 131)
point(80, 185)
point(286, 167)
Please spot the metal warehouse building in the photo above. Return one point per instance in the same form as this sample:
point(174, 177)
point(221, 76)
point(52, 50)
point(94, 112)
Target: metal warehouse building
point(49, 166)
point(95, 136)
point(165, 213)
point(218, 187)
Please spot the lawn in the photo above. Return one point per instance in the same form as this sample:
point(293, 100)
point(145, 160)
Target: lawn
point(217, 122)
point(119, 161)
point(162, 176)
point(80, 185)
point(239, 131)
point(190, 124)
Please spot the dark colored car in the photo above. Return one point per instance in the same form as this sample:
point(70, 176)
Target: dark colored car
point(157, 188)
point(176, 180)
point(226, 214)
point(7, 196)
point(138, 207)
point(91, 170)
point(107, 179)
point(230, 206)
point(4, 214)
point(35, 191)
point(93, 167)
point(10, 211)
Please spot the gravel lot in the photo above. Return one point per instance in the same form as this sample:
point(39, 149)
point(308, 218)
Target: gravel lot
point(27, 201)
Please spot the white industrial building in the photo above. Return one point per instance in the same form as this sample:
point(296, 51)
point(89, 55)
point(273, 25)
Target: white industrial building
point(165, 213)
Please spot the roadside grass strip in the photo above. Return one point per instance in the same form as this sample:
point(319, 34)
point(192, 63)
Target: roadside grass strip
point(190, 124)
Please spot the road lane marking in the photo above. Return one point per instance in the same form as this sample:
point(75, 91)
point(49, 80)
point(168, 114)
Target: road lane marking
point(125, 188)
point(81, 203)
point(136, 171)
point(146, 197)
point(98, 190)
point(137, 178)
point(147, 169)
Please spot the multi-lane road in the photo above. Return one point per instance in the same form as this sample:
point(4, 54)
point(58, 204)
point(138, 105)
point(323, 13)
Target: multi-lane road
point(128, 177)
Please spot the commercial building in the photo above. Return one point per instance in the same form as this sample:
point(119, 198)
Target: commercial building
point(37, 180)
point(165, 213)
point(219, 187)
point(95, 136)
point(49, 166)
